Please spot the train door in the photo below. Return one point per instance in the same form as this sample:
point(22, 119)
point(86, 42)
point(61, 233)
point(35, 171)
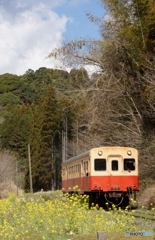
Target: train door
point(81, 174)
point(85, 176)
point(114, 167)
point(66, 177)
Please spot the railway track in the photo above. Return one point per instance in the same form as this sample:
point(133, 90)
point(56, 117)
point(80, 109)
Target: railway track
point(148, 215)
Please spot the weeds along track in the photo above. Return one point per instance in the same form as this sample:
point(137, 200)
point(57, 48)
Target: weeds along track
point(144, 214)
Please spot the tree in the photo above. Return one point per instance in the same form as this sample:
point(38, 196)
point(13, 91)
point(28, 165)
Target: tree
point(120, 97)
point(8, 172)
point(115, 96)
point(15, 129)
point(9, 98)
point(7, 166)
point(9, 83)
point(44, 142)
point(130, 33)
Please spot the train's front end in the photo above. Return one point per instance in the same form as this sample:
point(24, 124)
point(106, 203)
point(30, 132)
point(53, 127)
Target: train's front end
point(114, 176)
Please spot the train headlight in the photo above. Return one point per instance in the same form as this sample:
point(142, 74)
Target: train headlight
point(129, 152)
point(100, 153)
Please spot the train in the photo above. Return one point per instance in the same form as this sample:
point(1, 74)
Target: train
point(105, 174)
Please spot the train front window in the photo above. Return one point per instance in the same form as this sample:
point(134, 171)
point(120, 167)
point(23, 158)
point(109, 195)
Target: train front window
point(129, 164)
point(114, 165)
point(100, 164)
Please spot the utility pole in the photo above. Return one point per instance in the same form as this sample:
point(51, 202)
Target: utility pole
point(77, 139)
point(64, 141)
point(30, 174)
point(63, 146)
point(66, 138)
point(17, 177)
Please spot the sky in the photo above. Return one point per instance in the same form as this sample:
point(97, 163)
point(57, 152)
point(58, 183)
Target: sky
point(31, 29)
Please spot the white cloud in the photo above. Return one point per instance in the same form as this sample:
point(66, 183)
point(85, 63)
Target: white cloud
point(29, 31)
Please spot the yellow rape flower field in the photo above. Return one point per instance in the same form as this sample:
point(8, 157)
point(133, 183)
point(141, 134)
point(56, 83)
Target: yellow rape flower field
point(64, 217)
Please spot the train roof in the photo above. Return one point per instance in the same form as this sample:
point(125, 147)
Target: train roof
point(77, 156)
point(87, 152)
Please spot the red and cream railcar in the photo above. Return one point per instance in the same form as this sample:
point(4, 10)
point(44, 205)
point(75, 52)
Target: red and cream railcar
point(106, 174)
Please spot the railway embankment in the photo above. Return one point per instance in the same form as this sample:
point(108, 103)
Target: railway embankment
point(147, 197)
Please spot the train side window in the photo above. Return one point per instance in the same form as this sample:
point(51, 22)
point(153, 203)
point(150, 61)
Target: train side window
point(114, 165)
point(129, 164)
point(64, 172)
point(80, 168)
point(100, 164)
point(87, 165)
point(84, 167)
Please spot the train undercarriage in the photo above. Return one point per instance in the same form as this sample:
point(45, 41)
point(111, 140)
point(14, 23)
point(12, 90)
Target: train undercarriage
point(108, 199)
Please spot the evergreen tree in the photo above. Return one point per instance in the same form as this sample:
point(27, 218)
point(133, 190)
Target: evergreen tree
point(44, 141)
point(15, 129)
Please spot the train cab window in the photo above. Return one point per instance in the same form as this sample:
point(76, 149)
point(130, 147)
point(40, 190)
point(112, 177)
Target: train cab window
point(100, 164)
point(114, 165)
point(129, 164)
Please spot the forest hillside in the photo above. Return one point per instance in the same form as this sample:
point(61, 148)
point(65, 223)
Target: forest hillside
point(60, 114)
